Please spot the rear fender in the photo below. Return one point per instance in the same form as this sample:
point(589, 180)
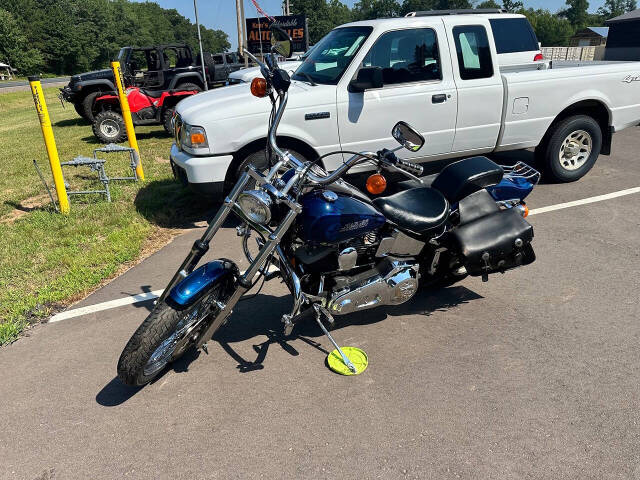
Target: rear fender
point(193, 287)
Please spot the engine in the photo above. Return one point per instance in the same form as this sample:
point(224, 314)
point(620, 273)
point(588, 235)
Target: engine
point(391, 282)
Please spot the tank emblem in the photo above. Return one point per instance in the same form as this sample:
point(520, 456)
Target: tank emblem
point(347, 227)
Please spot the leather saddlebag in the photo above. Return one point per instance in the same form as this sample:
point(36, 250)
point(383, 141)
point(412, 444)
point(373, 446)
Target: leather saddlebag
point(495, 242)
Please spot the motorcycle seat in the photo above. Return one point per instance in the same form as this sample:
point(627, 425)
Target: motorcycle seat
point(418, 210)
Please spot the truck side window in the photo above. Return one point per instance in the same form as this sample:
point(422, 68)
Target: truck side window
point(217, 59)
point(474, 55)
point(406, 56)
point(230, 58)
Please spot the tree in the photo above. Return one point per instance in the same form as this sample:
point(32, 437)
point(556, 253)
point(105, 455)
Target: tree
point(323, 16)
point(577, 13)
point(15, 48)
point(422, 5)
point(512, 5)
point(371, 9)
point(489, 4)
point(614, 8)
point(551, 30)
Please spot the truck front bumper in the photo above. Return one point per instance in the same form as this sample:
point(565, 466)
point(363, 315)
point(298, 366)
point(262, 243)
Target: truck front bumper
point(204, 175)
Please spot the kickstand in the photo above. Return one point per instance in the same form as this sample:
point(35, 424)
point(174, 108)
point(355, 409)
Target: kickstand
point(321, 310)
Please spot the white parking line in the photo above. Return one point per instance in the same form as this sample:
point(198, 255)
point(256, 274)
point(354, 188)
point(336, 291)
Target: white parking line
point(144, 297)
point(585, 201)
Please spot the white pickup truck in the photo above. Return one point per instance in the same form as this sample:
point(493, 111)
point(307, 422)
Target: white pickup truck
point(439, 73)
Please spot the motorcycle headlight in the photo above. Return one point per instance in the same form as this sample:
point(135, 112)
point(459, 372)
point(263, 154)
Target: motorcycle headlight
point(256, 205)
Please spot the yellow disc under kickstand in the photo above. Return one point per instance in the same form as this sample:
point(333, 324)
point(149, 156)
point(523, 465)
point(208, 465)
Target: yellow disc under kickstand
point(357, 357)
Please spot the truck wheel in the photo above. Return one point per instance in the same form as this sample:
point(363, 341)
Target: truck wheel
point(187, 87)
point(108, 127)
point(259, 161)
point(572, 150)
point(80, 110)
point(87, 105)
point(167, 115)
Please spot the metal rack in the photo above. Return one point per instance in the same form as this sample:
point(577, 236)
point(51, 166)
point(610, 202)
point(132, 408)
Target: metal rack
point(97, 164)
point(522, 170)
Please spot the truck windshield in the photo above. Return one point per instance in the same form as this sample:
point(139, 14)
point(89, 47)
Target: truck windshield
point(331, 56)
point(122, 54)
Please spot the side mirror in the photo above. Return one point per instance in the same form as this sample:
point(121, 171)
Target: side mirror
point(280, 42)
point(407, 136)
point(367, 78)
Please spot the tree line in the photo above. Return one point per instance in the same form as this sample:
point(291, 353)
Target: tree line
point(72, 36)
point(552, 28)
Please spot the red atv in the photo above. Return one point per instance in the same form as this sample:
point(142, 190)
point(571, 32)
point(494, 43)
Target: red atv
point(148, 107)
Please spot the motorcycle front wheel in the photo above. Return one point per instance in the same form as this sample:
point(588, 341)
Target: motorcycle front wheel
point(165, 335)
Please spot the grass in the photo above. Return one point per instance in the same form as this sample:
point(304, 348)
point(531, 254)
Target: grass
point(46, 259)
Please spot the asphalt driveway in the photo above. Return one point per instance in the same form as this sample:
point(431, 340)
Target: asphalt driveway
point(535, 374)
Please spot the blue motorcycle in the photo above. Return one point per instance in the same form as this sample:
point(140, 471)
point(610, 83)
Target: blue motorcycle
point(337, 249)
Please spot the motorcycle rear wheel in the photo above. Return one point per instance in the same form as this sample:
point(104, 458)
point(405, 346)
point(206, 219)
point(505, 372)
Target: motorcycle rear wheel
point(164, 336)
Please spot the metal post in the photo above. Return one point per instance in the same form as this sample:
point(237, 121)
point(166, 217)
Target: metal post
point(126, 115)
point(288, 11)
point(50, 142)
point(239, 18)
point(306, 34)
point(245, 42)
point(204, 74)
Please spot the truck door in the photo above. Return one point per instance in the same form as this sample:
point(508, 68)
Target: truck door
point(479, 84)
point(418, 88)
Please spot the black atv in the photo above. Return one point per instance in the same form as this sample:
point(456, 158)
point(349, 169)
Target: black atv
point(163, 67)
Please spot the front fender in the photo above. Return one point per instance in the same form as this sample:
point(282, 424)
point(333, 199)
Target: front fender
point(202, 280)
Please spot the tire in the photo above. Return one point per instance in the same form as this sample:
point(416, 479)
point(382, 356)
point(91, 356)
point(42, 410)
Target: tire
point(259, 160)
point(108, 127)
point(135, 366)
point(80, 110)
point(187, 86)
point(87, 105)
point(572, 150)
point(167, 115)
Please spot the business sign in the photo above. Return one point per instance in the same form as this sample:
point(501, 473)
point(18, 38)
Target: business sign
point(259, 35)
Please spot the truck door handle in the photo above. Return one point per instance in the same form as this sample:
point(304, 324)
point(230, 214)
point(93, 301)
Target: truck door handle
point(439, 98)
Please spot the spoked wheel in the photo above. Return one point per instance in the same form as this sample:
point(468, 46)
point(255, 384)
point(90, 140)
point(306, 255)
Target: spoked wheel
point(163, 337)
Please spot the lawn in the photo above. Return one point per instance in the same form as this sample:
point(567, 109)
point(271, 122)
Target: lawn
point(48, 260)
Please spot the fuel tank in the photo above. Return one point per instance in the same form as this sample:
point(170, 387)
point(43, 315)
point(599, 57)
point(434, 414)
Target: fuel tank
point(330, 217)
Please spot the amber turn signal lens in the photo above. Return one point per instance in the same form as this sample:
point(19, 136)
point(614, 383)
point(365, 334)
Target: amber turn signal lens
point(197, 139)
point(526, 211)
point(376, 184)
point(259, 87)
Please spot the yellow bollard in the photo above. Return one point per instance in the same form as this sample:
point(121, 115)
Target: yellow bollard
point(126, 115)
point(50, 142)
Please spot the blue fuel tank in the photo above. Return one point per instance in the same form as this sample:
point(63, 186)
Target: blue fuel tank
point(331, 221)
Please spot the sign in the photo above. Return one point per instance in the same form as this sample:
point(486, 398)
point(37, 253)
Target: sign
point(258, 33)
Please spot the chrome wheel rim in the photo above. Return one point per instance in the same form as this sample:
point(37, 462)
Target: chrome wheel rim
point(109, 128)
point(575, 150)
point(186, 329)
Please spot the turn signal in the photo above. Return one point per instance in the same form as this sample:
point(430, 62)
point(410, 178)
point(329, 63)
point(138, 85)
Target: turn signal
point(259, 87)
point(523, 209)
point(376, 184)
point(197, 138)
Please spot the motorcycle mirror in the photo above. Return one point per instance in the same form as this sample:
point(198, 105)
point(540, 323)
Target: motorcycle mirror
point(280, 41)
point(407, 136)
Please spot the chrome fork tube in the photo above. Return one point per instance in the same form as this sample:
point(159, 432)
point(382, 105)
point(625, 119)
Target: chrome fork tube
point(245, 281)
point(201, 246)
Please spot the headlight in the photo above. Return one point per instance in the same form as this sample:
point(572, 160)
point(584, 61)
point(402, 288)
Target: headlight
point(256, 205)
point(193, 137)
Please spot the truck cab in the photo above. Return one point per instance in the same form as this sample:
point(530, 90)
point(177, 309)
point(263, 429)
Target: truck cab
point(442, 74)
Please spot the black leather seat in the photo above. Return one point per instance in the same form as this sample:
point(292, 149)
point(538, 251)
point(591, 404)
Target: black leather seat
point(419, 210)
point(152, 93)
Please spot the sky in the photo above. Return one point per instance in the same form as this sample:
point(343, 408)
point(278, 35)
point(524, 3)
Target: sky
point(221, 14)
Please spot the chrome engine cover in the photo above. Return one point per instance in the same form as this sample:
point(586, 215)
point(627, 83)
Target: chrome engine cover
point(395, 284)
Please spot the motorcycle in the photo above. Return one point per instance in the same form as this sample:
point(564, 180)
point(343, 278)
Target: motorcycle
point(337, 249)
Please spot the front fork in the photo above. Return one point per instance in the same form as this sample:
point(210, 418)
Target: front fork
point(245, 281)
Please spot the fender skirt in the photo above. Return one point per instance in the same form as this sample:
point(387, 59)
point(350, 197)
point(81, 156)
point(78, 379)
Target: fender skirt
point(200, 281)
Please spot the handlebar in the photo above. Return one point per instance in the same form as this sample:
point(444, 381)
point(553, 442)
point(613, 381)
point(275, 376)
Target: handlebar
point(409, 167)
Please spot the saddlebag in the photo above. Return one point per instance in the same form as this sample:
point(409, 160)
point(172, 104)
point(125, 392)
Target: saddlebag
point(494, 243)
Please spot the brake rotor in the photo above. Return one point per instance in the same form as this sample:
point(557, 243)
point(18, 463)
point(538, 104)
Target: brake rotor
point(357, 357)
